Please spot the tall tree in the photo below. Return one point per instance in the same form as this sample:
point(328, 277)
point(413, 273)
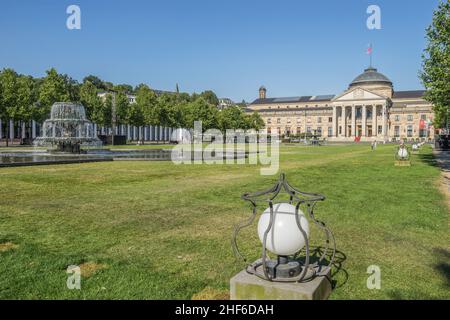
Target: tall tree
point(143, 111)
point(53, 89)
point(122, 106)
point(436, 64)
point(96, 81)
point(255, 121)
point(201, 110)
point(232, 118)
point(92, 102)
point(26, 108)
point(125, 88)
point(8, 98)
point(210, 97)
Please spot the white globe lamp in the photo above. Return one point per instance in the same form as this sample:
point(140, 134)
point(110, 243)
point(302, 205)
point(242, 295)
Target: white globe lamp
point(284, 237)
point(402, 153)
point(284, 231)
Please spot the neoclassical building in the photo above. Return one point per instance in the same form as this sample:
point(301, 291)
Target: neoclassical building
point(370, 109)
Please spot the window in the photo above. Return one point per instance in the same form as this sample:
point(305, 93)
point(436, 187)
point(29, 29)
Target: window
point(397, 131)
point(423, 117)
point(397, 117)
point(319, 131)
point(278, 120)
point(380, 129)
point(269, 120)
point(308, 129)
point(409, 132)
point(319, 120)
point(299, 130)
point(422, 133)
point(330, 131)
point(410, 117)
point(330, 119)
point(299, 120)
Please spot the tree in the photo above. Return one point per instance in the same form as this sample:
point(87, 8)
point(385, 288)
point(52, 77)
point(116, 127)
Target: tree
point(255, 121)
point(436, 64)
point(124, 88)
point(107, 111)
point(210, 97)
point(201, 110)
point(96, 81)
point(143, 112)
point(122, 106)
point(232, 118)
point(54, 88)
point(8, 98)
point(26, 107)
point(92, 102)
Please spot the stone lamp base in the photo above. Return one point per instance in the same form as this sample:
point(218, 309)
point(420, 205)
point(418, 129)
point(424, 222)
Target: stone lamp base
point(245, 286)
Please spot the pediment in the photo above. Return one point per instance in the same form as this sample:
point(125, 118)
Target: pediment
point(359, 94)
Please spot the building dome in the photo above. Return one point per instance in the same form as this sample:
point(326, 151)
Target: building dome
point(371, 76)
point(262, 88)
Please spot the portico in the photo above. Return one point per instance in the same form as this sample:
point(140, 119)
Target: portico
point(362, 119)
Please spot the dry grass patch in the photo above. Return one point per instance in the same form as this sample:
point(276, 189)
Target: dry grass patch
point(209, 293)
point(7, 246)
point(89, 268)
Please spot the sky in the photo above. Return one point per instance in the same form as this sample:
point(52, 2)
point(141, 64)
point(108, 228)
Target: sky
point(292, 47)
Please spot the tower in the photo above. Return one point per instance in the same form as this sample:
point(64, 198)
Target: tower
point(262, 92)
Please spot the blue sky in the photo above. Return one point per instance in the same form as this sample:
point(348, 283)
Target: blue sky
point(232, 47)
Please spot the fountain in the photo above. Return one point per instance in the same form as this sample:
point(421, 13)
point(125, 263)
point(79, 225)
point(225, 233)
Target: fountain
point(68, 128)
point(67, 131)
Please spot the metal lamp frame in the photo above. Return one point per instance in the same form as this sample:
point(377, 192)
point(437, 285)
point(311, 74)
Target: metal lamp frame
point(296, 198)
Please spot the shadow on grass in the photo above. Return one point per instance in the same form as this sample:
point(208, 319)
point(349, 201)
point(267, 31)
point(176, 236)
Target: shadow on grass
point(439, 159)
point(428, 158)
point(339, 276)
point(443, 265)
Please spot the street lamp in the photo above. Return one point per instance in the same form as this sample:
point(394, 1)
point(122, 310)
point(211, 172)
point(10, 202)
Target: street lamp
point(284, 230)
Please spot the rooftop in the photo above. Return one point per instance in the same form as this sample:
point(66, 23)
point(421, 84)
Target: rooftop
point(371, 76)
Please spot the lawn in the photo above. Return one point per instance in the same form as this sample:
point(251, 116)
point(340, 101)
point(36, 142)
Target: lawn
point(155, 230)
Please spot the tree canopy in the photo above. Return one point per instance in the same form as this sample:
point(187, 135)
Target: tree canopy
point(436, 64)
point(25, 98)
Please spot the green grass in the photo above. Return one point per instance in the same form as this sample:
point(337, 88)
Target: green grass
point(162, 231)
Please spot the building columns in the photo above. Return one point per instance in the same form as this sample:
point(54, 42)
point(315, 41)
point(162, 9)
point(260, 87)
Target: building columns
point(374, 121)
point(353, 133)
point(384, 121)
point(33, 129)
point(364, 119)
point(343, 124)
point(334, 131)
point(11, 130)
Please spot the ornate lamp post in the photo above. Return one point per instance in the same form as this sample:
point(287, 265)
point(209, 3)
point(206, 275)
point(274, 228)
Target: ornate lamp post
point(402, 153)
point(402, 156)
point(283, 230)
